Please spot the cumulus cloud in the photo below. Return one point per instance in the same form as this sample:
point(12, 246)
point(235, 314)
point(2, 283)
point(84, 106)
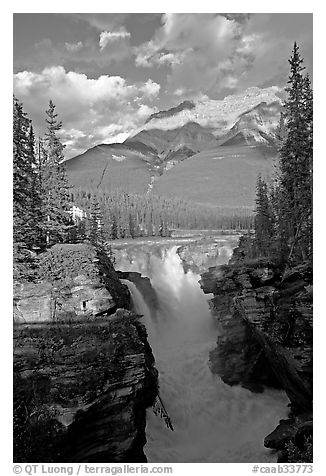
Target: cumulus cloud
point(193, 46)
point(206, 33)
point(150, 88)
point(179, 92)
point(145, 111)
point(72, 47)
point(107, 37)
point(92, 110)
point(219, 54)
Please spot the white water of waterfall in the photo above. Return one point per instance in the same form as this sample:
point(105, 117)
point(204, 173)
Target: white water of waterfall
point(140, 306)
point(212, 421)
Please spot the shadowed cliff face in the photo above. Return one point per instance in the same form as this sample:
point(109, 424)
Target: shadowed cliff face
point(91, 383)
point(265, 322)
point(255, 307)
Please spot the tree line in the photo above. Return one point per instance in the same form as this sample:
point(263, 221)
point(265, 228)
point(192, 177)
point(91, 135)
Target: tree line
point(119, 214)
point(283, 220)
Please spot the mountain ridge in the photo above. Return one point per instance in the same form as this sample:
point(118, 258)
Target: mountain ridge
point(244, 128)
point(172, 111)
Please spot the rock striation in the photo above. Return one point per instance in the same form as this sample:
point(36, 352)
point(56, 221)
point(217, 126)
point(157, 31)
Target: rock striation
point(202, 254)
point(90, 382)
point(75, 281)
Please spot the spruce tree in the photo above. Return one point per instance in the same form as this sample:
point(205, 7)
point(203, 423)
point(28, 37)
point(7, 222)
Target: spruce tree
point(264, 220)
point(55, 188)
point(96, 229)
point(296, 162)
point(36, 193)
point(26, 198)
point(96, 224)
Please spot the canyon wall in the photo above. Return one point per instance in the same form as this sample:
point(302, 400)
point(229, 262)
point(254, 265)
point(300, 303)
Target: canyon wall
point(84, 372)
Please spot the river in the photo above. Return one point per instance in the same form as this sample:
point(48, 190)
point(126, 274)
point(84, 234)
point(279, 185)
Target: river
point(212, 421)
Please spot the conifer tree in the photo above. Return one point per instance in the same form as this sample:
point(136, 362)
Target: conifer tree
point(114, 227)
point(26, 204)
point(296, 162)
point(36, 195)
point(96, 229)
point(264, 220)
point(55, 188)
point(96, 224)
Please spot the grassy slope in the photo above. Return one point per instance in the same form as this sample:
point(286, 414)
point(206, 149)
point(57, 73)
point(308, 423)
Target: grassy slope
point(103, 165)
point(224, 177)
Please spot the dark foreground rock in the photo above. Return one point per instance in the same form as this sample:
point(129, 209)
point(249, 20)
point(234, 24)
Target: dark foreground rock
point(265, 332)
point(81, 390)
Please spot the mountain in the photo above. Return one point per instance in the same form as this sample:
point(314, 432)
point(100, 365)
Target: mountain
point(111, 166)
point(207, 151)
point(218, 115)
point(224, 177)
point(176, 144)
point(255, 126)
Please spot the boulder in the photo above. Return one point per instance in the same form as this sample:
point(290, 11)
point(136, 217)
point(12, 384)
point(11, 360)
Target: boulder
point(283, 433)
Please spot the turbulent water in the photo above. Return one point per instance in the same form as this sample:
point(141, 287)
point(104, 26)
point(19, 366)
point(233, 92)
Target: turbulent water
point(212, 421)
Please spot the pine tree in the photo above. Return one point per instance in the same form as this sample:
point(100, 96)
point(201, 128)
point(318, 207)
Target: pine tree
point(264, 220)
point(296, 162)
point(96, 224)
point(25, 192)
point(55, 188)
point(114, 227)
point(96, 229)
point(36, 196)
point(281, 131)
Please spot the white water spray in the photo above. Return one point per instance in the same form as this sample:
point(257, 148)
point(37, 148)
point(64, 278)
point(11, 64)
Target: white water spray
point(213, 422)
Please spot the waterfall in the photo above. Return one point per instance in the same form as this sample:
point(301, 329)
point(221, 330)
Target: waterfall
point(212, 421)
point(139, 304)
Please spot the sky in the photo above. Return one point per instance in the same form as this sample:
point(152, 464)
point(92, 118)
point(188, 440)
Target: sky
point(107, 72)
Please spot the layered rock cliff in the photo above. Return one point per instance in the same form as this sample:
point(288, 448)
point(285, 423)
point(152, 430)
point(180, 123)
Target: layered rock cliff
point(265, 332)
point(84, 372)
point(83, 389)
point(204, 253)
point(74, 281)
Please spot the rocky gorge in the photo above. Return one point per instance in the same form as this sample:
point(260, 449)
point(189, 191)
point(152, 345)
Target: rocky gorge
point(84, 372)
point(264, 316)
